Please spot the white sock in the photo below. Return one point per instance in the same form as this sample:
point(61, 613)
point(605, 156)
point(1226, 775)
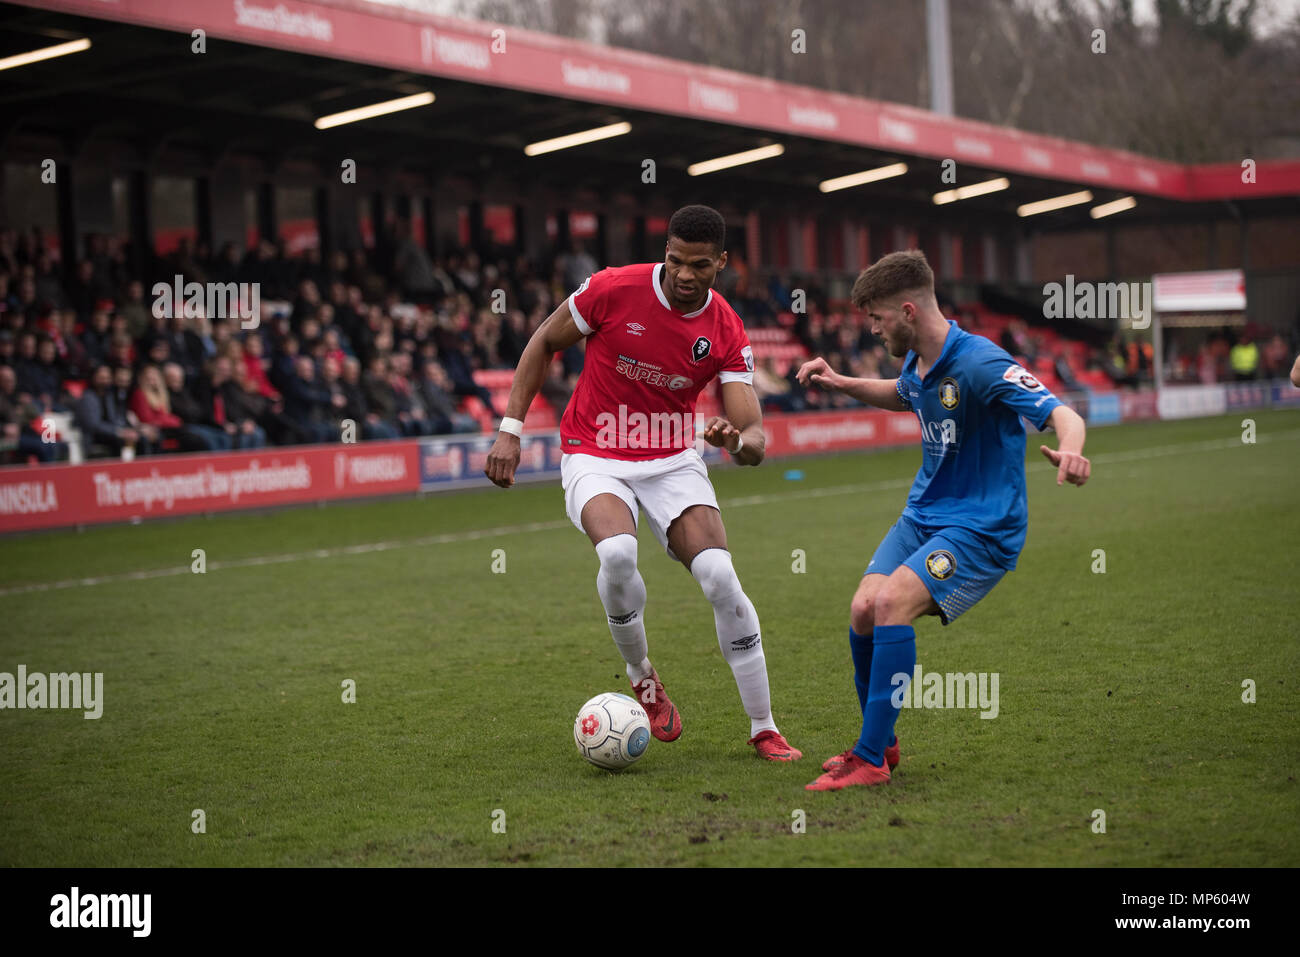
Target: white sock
point(622, 592)
point(739, 635)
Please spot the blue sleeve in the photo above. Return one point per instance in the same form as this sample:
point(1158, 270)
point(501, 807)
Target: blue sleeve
point(902, 396)
point(999, 379)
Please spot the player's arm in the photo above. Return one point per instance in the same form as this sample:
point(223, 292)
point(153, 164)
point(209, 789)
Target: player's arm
point(740, 426)
point(1068, 455)
point(556, 334)
point(1295, 373)
point(882, 393)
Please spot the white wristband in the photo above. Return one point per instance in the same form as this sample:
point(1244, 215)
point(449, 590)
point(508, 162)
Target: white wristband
point(513, 426)
point(741, 437)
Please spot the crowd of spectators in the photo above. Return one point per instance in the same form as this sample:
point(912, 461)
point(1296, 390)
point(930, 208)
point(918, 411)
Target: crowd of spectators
point(388, 339)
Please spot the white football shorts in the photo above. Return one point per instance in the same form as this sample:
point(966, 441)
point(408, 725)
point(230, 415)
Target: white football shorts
point(663, 488)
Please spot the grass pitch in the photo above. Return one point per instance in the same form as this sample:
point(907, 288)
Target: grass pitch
point(1119, 691)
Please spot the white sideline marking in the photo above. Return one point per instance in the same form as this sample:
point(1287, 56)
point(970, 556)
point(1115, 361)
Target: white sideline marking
point(451, 538)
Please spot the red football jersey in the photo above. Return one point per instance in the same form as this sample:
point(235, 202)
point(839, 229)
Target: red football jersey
point(646, 365)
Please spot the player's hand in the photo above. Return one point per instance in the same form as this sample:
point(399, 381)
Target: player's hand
point(720, 433)
point(503, 460)
point(817, 372)
point(1072, 467)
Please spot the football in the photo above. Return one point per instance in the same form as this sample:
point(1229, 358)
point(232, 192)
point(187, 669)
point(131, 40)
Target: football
point(611, 731)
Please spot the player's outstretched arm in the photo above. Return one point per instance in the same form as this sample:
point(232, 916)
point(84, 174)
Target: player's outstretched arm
point(882, 393)
point(1295, 373)
point(1070, 429)
point(740, 432)
point(557, 333)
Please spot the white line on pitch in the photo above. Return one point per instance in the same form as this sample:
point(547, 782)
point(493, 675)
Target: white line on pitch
point(452, 538)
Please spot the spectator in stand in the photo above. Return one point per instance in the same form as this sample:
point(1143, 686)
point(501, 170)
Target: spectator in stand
point(308, 403)
point(412, 267)
point(412, 415)
point(8, 354)
point(436, 390)
point(456, 360)
point(256, 364)
point(151, 405)
point(18, 418)
point(357, 408)
point(577, 266)
point(102, 418)
point(1061, 366)
point(200, 429)
point(242, 400)
point(133, 309)
point(1275, 358)
point(44, 378)
point(378, 390)
point(1244, 358)
point(235, 419)
point(773, 391)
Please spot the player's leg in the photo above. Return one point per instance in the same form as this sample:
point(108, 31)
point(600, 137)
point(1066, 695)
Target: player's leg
point(862, 621)
point(698, 540)
point(608, 522)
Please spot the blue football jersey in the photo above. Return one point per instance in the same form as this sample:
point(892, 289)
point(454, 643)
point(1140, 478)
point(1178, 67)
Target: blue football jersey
point(972, 471)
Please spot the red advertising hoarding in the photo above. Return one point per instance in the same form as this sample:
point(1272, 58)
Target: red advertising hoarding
point(113, 491)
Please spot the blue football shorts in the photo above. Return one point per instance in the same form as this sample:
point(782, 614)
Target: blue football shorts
point(955, 565)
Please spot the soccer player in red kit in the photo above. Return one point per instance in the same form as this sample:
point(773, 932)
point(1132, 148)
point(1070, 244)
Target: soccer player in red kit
point(657, 335)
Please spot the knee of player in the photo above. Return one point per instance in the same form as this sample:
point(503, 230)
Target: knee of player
point(862, 613)
point(890, 607)
point(713, 569)
point(617, 557)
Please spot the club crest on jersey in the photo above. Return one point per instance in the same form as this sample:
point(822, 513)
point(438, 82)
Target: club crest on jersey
point(940, 564)
point(701, 349)
point(1023, 378)
point(949, 393)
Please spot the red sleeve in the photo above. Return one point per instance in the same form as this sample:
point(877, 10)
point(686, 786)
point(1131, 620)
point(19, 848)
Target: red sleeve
point(590, 302)
point(738, 358)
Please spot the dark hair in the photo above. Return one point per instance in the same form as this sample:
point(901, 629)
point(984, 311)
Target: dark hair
point(699, 224)
point(893, 275)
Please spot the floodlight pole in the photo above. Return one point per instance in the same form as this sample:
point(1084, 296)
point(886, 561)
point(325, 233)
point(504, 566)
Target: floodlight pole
point(939, 50)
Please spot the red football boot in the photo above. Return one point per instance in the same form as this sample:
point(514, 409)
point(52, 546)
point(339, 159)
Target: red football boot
point(665, 722)
point(854, 772)
point(772, 746)
point(892, 756)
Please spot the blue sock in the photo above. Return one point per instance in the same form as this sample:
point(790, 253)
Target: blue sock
point(894, 653)
point(860, 646)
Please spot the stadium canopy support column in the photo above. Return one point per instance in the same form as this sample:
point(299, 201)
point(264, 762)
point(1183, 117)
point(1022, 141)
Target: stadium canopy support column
point(324, 203)
point(225, 208)
point(67, 214)
point(141, 220)
point(203, 209)
point(266, 212)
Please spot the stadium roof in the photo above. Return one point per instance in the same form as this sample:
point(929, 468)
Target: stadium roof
point(293, 61)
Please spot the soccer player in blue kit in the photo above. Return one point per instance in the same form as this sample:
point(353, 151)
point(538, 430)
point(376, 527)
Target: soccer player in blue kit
point(966, 516)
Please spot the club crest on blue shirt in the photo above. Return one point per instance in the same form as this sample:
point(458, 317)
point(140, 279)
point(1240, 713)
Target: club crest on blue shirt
point(700, 349)
point(949, 393)
point(940, 564)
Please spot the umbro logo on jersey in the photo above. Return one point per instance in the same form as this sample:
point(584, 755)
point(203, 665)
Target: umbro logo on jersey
point(744, 644)
point(635, 328)
point(701, 349)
